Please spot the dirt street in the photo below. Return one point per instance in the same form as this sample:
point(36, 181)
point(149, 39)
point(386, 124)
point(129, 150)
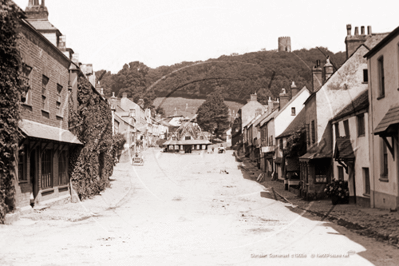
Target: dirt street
point(181, 210)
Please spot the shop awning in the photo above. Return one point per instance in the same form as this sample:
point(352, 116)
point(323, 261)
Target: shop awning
point(314, 155)
point(343, 149)
point(387, 124)
point(42, 131)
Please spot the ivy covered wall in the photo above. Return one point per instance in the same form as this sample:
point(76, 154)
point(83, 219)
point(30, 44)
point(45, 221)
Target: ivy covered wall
point(91, 164)
point(10, 95)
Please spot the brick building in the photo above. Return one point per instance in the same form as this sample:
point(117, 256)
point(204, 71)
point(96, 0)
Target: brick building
point(43, 152)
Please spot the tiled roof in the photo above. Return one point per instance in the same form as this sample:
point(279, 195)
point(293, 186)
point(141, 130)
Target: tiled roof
point(42, 131)
point(358, 104)
point(296, 124)
point(374, 39)
point(390, 118)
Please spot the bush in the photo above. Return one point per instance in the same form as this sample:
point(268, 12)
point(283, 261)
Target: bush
point(337, 189)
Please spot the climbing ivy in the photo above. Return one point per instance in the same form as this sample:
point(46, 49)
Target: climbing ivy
point(91, 164)
point(10, 95)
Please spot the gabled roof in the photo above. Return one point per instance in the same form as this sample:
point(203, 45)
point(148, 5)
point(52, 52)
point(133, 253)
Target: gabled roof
point(358, 104)
point(293, 99)
point(384, 39)
point(296, 124)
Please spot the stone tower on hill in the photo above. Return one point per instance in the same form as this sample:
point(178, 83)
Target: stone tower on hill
point(284, 44)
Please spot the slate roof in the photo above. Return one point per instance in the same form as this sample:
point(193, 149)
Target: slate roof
point(390, 118)
point(42, 25)
point(380, 41)
point(42, 131)
point(296, 124)
point(358, 104)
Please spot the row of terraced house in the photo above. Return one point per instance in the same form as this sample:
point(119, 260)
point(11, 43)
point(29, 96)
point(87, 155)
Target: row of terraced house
point(343, 128)
point(51, 71)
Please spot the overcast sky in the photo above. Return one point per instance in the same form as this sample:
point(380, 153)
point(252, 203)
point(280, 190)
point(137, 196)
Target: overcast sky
point(110, 33)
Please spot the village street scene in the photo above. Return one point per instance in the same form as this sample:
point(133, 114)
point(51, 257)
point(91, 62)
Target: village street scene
point(263, 156)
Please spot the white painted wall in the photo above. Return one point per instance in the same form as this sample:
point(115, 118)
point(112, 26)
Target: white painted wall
point(284, 118)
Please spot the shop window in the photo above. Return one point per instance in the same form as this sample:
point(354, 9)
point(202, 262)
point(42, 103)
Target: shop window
point(22, 176)
point(360, 125)
point(346, 128)
point(381, 78)
point(44, 93)
point(25, 80)
point(320, 172)
point(47, 179)
point(366, 177)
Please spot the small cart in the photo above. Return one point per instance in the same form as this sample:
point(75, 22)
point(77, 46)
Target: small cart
point(138, 159)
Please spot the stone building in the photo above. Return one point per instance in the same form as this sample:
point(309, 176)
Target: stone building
point(284, 44)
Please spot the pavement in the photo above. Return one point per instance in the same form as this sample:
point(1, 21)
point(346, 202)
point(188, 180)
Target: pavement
point(382, 225)
point(110, 198)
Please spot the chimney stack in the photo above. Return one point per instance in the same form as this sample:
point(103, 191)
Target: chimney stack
point(62, 43)
point(354, 41)
point(141, 103)
point(356, 31)
point(294, 89)
point(270, 105)
point(317, 76)
point(254, 97)
point(328, 69)
point(348, 30)
point(75, 59)
point(284, 98)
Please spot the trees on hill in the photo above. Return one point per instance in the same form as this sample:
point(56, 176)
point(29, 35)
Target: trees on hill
point(212, 115)
point(264, 72)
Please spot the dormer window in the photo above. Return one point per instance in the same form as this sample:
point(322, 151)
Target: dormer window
point(187, 137)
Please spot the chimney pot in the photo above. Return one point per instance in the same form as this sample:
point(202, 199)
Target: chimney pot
point(124, 95)
point(356, 31)
point(362, 30)
point(294, 89)
point(369, 30)
point(348, 29)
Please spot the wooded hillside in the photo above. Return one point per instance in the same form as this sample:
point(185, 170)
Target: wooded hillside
point(264, 72)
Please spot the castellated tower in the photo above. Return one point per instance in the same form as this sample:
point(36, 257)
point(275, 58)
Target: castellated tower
point(284, 44)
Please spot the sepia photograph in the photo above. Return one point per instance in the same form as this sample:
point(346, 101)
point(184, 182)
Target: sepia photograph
point(208, 132)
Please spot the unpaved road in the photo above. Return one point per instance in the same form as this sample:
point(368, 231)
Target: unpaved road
point(180, 210)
